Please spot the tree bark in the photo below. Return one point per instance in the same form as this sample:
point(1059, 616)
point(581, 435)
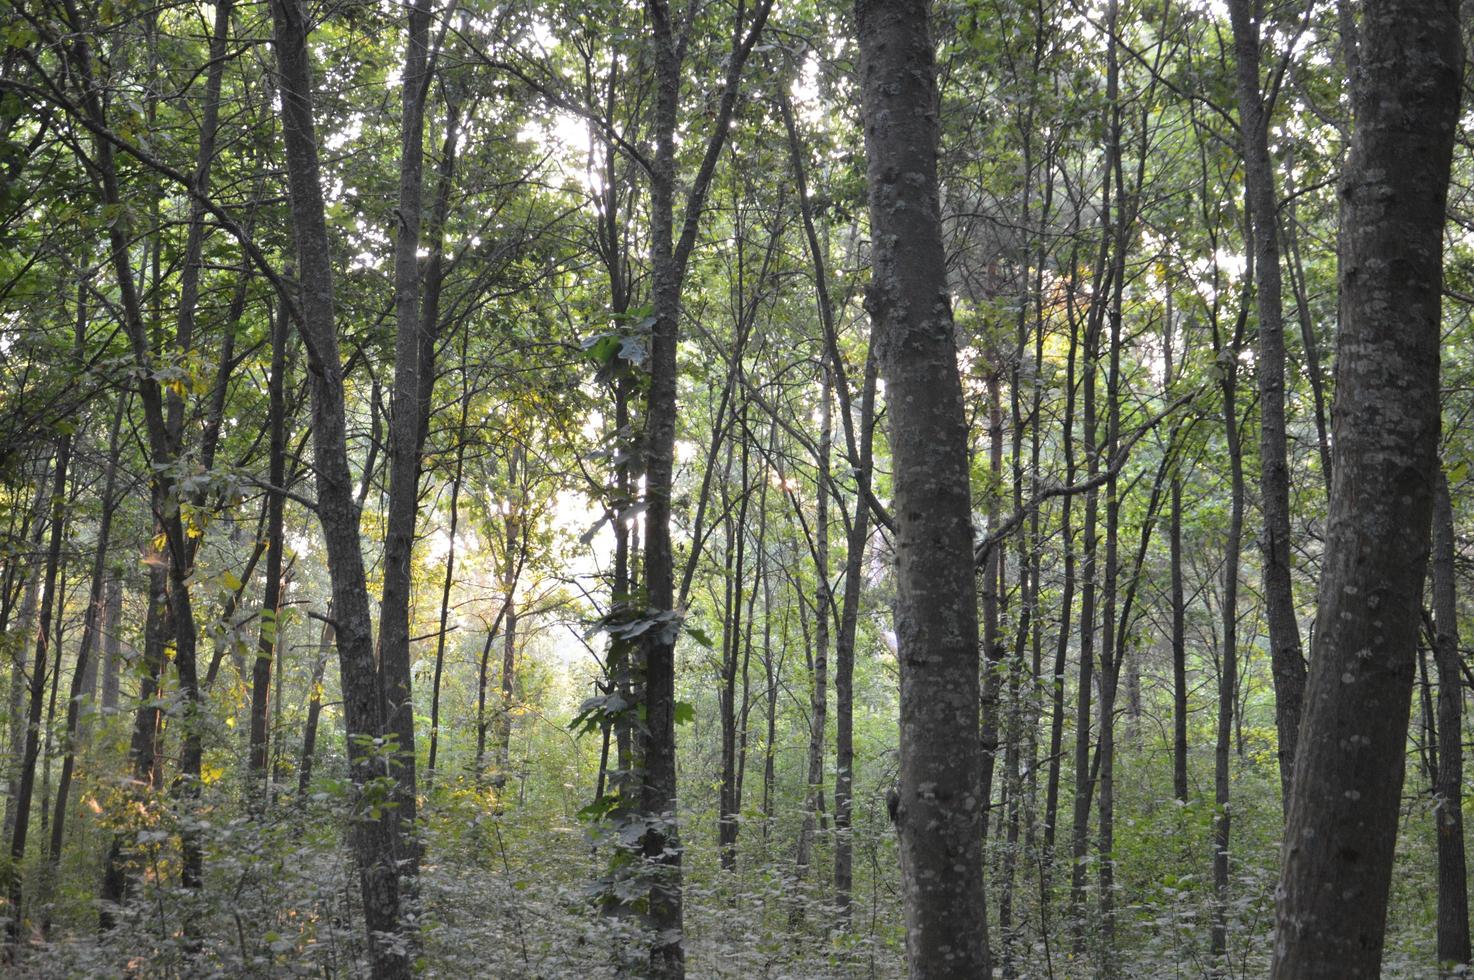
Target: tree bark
point(26, 783)
point(450, 564)
point(90, 629)
point(844, 653)
point(112, 642)
point(823, 603)
point(730, 803)
point(1179, 602)
point(374, 834)
point(1336, 861)
point(413, 377)
point(266, 643)
point(1228, 664)
point(30, 598)
point(1448, 809)
point(1286, 661)
point(938, 803)
point(669, 255)
point(314, 708)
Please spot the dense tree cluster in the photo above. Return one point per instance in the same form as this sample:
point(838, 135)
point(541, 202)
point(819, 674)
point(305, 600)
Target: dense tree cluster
point(945, 489)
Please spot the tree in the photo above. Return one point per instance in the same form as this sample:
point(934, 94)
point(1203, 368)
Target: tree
point(1274, 477)
point(1344, 798)
point(938, 805)
point(374, 831)
point(1453, 887)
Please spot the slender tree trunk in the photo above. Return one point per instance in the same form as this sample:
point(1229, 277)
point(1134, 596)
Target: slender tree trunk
point(450, 561)
point(656, 749)
point(859, 451)
point(730, 804)
point(938, 802)
point(112, 642)
point(994, 589)
point(84, 651)
point(1228, 666)
point(163, 439)
point(1311, 344)
point(823, 603)
point(26, 783)
point(1085, 689)
point(48, 728)
point(1178, 600)
point(314, 708)
point(1453, 886)
point(1067, 600)
point(515, 545)
point(844, 653)
point(1112, 650)
point(375, 836)
point(266, 644)
point(1286, 662)
point(30, 597)
point(1336, 862)
point(770, 678)
point(482, 675)
point(143, 748)
point(413, 377)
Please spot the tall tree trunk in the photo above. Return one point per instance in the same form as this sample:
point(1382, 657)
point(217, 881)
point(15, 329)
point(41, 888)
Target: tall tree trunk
point(90, 629)
point(450, 564)
point(314, 707)
point(669, 255)
point(1286, 662)
point(414, 376)
point(515, 546)
point(112, 642)
point(859, 450)
point(1112, 652)
point(163, 439)
point(993, 589)
point(26, 783)
point(823, 604)
point(1228, 665)
point(1336, 862)
point(1179, 603)
point(844, 653)
point(938, 802)
point(143, 747)
point(48, 727)
point(730, 804)
point(266, 643)
point(375, 835)
point(1085, 687)
point(1448, 810)
point(1067, 600)
point(19, 685)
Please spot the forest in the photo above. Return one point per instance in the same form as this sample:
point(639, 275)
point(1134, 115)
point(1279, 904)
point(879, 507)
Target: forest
point(735, 488)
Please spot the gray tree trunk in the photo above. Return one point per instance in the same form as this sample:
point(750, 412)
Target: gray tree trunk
point(413, 376)
point(1453, 886)
point(375, 839)
point(938, 806)
point(823, 606)
point(1336, 861)
point(1286, 661)
point(266, 642)
point(112, 642)
point(669, 254)
point(26, 778)
point(16, 737)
